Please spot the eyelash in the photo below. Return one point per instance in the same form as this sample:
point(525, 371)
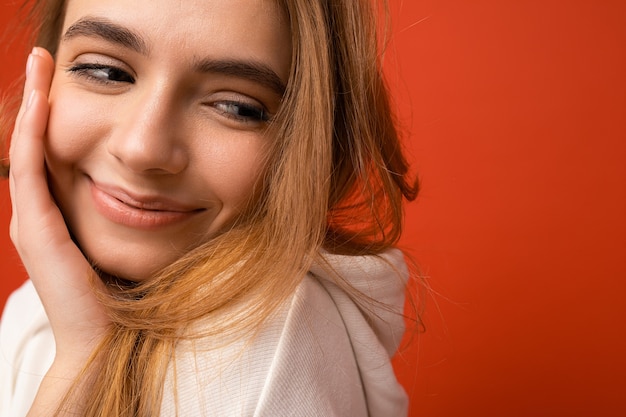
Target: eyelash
point(244, 112)
point(236, 110)
point(88, 71)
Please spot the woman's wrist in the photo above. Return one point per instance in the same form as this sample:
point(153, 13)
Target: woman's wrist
point(63, 376)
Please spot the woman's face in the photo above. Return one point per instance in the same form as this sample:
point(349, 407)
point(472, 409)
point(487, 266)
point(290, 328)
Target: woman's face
point(158, 113)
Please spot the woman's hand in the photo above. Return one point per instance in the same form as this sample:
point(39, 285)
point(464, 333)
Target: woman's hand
point(62, 276)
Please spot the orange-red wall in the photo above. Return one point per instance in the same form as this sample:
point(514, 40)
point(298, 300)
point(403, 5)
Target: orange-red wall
point(516, 113)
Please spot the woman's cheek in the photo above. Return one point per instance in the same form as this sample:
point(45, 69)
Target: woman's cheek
point(238, 171)
point(75, 127)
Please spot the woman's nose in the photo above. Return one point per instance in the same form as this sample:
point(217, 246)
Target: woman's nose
point(147, 138)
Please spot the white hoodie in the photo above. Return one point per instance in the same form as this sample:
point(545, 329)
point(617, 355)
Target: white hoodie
point(320, 356)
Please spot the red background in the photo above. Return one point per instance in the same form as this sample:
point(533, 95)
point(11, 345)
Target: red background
point(515, 113)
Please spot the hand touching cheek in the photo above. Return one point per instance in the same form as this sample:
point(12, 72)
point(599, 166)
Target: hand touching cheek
point(62, 276)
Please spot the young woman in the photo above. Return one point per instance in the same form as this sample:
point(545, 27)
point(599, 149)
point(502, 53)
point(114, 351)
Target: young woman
point(205, 195)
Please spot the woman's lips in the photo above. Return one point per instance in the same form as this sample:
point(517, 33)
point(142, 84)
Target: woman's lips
point(119, 206)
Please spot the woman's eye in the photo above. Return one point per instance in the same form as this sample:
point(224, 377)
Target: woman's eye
point(105, 74)
point(242, 111)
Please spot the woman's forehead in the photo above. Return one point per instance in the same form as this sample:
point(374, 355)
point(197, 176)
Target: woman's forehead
point(175, 15)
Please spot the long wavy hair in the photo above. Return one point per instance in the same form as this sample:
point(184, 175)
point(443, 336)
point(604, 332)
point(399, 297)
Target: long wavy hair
point(334, 182)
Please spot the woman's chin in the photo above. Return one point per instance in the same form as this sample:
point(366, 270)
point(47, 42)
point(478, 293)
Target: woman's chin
point(133, 271)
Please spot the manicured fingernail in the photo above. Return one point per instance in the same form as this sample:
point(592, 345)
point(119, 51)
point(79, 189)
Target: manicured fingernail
point(31, 98)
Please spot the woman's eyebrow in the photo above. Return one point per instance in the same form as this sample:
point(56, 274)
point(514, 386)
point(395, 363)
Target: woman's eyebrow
point(97, 27)
point(253, 71)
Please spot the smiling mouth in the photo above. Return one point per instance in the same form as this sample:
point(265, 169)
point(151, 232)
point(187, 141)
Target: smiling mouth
point(119, 207)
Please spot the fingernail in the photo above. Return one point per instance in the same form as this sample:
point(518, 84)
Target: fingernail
point(31, 98)
point(29, 64)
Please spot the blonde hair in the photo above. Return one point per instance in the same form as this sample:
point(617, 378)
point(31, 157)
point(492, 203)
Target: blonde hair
point(335, 180)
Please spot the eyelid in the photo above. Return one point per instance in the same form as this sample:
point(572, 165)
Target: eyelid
point(238, 110)
point(262, 115)
point(95, 61)
point(85, 70)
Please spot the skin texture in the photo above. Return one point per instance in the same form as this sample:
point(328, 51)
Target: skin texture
point(148, 155)
point(173, 140)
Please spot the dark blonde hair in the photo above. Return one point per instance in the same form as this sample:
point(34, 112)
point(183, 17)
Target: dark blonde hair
point(335, 180)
